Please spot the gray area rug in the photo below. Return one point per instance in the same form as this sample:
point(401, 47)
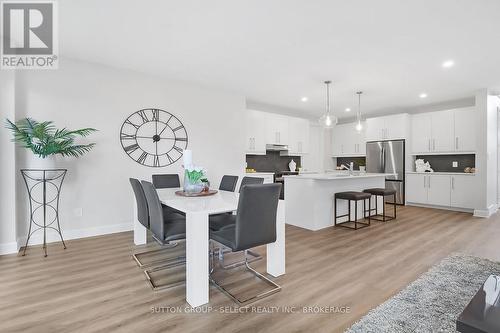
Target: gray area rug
point(433, 302)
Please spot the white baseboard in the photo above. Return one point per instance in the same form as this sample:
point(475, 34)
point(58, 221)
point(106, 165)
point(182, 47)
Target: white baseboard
point(53, 236)
point(492, 209)
point(8, 248)
point(455, 209)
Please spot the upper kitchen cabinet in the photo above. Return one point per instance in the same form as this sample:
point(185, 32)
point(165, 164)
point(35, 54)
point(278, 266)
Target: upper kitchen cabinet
point(387, 128)
point(465, 130)
point(298, 136)
point(347, 141)
point(276, 129)
point(255, 128)
point(449, 131)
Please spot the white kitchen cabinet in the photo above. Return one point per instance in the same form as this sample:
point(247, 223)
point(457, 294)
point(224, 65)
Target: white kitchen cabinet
point(439, 190)
point(387, 128)
point(421, 132)
point(416, 188)
point(347, 141)
point(375, 129)
point(276, 129)
point(298, 136)
point(445, 190)
point(255, 128)
point(446, 131)
point(462, 191)
point(428, 189)
point(465, 130)
point(442, 131)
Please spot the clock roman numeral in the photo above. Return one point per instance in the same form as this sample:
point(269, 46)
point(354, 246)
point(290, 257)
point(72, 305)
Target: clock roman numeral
point(143, 116)
point(181, 139)
point(156, 162)
point(156, 115)
point(131, 123)
point(142, 158)
point(170, 159)
point(124, 136)
point(178, 149)
point(130, 149)
point(177, 128)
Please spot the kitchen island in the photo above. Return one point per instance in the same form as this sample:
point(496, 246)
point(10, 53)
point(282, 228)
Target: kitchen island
point(309, 197)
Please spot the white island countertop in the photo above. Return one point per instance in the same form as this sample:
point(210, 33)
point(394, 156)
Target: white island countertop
point(338, 176)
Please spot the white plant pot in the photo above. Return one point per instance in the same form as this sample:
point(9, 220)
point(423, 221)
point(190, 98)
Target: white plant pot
point(35, 162)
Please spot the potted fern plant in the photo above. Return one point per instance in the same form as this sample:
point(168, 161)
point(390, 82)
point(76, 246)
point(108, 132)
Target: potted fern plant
point(45, 141)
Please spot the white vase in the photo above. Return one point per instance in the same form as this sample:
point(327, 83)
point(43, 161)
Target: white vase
point(35, 162)
point(292, 165)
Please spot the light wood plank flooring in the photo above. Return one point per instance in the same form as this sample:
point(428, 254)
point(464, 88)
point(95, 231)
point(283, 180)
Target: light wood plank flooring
point(95, 286)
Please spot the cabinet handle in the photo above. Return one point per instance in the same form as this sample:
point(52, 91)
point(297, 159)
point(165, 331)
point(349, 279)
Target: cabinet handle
point(424, 181)
point(385, 135)
point(429, 181)
point(429, 144)
point(456, 143)
point(433, 144)
point(452, 183)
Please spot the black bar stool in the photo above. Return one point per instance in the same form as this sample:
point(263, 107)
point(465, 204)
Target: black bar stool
point(352, 196)
point(383, 192)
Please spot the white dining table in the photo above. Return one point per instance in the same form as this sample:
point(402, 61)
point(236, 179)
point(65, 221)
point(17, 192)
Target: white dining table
point(198, 210)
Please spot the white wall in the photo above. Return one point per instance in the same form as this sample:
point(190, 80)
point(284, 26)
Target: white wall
point(85, 95)
point(486, 155)
point(7, 166)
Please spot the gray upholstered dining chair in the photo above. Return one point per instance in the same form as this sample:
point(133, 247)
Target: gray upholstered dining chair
point(251, 180)
point(255, 225)
point(166, 181)
point(165, 229)
point(143, 218)
point(228, 183)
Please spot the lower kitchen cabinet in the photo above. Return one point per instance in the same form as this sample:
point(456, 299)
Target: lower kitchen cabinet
point(443, 190)
point(462, 191)
point(438, 190)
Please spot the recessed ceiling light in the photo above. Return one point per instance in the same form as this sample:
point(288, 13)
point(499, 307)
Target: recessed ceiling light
point(347, 109)
point(448, 64)
point(304, 99)
point(423, 95)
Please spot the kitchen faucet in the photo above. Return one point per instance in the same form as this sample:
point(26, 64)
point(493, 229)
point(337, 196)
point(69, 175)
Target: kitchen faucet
point(350, 168)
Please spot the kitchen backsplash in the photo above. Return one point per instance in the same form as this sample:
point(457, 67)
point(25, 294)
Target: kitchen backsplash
point(271, 162)
point(444, 163)
point(356, 160)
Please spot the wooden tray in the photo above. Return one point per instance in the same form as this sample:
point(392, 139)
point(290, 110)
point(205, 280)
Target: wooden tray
point(200, 194)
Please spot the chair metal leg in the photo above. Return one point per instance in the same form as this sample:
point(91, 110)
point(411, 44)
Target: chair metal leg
point(137, 256)
point(355, 213)
point(222, 250)
point(383, 208)
point(252, 299)
point(157, 287)
point(394, 205)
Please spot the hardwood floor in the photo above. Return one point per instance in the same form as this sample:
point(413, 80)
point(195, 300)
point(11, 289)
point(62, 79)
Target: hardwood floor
point(95, 285)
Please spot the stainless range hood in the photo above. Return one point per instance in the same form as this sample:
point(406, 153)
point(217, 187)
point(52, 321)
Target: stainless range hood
point(273, 147)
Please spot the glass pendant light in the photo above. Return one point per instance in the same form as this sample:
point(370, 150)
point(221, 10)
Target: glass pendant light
point(328, 120)
point(359, 125)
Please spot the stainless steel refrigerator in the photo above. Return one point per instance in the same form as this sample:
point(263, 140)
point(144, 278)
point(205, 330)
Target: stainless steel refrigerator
point(388, 157)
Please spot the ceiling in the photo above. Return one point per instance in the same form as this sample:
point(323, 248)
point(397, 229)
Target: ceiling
point(275, 52)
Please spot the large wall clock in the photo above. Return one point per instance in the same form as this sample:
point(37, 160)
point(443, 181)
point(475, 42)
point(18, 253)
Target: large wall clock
point(153, 137)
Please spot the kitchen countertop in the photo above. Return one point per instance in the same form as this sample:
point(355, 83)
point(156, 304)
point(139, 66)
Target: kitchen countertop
point(442, 173)
point(260, 173)
point(330, 176)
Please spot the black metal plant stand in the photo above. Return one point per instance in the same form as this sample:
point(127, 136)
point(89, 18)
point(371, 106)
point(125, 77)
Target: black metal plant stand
point(38, 183)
